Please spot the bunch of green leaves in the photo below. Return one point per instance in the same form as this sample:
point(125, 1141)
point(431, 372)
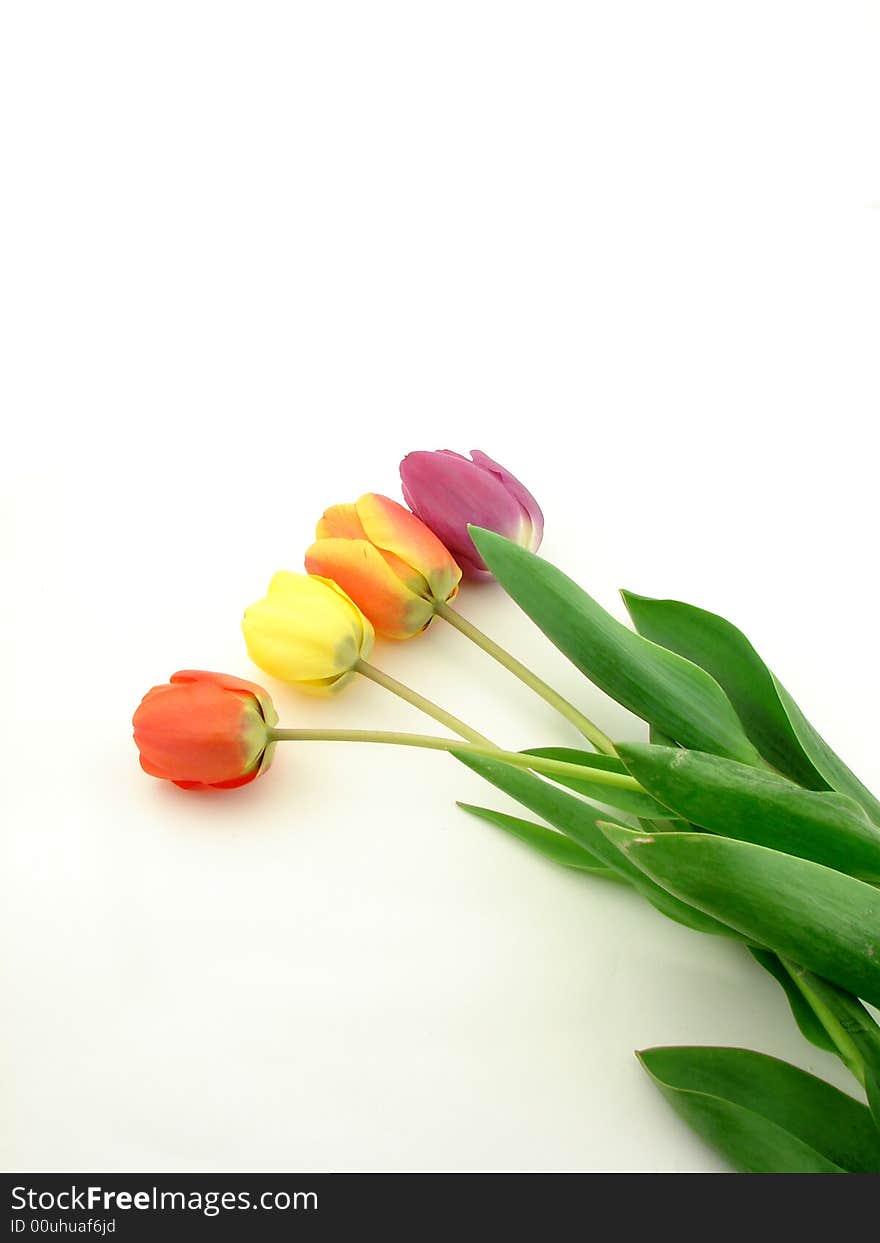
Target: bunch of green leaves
point(748, 826)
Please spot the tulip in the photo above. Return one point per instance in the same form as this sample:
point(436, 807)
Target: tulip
point(448, 492)
point(393, 567)
point(307, 630)
point(205, 731)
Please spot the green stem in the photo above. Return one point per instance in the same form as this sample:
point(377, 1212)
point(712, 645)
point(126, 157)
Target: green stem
point(813, 995)
point(419, 701)
point(518, 759)
point(581, 723)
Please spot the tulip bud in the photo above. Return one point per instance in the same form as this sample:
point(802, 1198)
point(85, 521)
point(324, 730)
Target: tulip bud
point(307, 631)
point(205, 731)
point(387, 561)
point(448, 492)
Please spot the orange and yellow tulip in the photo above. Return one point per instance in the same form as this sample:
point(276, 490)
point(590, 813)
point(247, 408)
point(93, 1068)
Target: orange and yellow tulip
point(205, 730)
point(383, 557)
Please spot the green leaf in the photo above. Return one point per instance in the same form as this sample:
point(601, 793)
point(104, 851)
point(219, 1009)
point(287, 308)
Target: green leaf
point(810, 1027)
point(547, 842)
point(752, 805)
point(661, 826)
point(872, 1091)
point(659, 738)
point(820, 918)
point(830, 765)
point(765, 1116)
point(630, 801)
point(678, 697)
point(579, 821)
point(769, 715)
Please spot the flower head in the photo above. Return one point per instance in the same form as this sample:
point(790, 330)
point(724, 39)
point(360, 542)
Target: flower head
point(387, 561)
point(307, 630)
point(205, 730)
point(449, 492)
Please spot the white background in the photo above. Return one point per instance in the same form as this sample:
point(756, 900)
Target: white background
point(252, 254)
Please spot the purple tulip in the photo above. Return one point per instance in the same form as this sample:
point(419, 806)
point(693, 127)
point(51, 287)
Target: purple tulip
point(448, 491)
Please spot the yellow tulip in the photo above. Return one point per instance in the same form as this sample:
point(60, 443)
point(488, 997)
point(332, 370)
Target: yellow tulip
point(307, 630)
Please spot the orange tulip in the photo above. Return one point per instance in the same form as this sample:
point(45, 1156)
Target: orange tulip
point(391, 565)
point(205, 730)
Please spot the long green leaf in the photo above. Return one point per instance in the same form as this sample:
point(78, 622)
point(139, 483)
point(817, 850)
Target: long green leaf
point(747, 803)
point(670, 692)
point(579, 821)
point(764, 1115)
point(548, 842)
point(830, 765)
point(630, 801)
point(769, 715)
point(817, 917)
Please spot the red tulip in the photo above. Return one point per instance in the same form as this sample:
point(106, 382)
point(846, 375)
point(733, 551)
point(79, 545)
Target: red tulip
point(205, 730)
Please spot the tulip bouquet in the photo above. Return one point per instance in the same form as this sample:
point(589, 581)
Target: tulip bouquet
point(736, 819)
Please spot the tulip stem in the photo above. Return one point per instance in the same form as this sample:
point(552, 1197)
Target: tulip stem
point(821, 997)
point(424, 705)
point(518, 759)
point(583, 724)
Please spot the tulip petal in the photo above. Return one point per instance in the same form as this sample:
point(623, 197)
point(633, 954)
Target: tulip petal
point(449, 492)
point(472, 567)
point(306, 629)
point(230, 683)
point(198, 732)
point(366, 634)
point(153, 770)
point(325, 686)
point(236, 782)
point(394, 529)
point(363, 573)
point(412, 579)
point(518, 490)
point(340, 522)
